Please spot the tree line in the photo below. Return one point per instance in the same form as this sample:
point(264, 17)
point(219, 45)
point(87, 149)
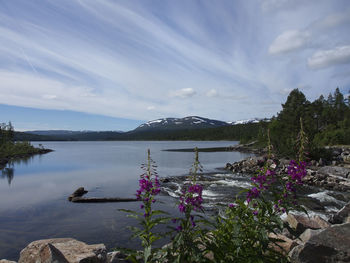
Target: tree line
point(7, 133)
point(9, 148)
point(325, 121)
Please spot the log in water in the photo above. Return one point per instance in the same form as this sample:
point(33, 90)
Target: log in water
point(101, 199)
point(76, 197)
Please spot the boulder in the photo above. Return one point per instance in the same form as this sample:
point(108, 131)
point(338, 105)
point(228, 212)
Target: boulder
point(342, 216)
point(50, 254)
point(329, 245)
point(229, 166)
point(66, 249)
point(301, 223)
point(285, 245)
point(308, 233)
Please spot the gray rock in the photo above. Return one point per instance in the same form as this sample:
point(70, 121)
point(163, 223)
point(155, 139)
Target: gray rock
point(342, 216)
point(285, 245)
point(308, 233)
point(330, 245)
point(73, 251)
point(346, 156)
point(320, 162)
point(301, 223)
point(335, 170)
point(50, 254)
point(6, 261)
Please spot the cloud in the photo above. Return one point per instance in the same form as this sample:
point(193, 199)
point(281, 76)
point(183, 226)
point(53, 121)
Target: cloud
point(212, 93)
point(288, 41)
point(49, 96)
point(268, 5)
point(331, 57)
point(183, 93)
point(285, 91)
point(123, 57)
point(304, 87)
point(334, 20)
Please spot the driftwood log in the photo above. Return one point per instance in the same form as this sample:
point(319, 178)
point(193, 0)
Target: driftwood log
point(101, 199)
point(76, 197)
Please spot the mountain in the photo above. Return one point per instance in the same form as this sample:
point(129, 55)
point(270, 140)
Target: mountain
point(188, 128)
point(191, 122)
point(254, 120)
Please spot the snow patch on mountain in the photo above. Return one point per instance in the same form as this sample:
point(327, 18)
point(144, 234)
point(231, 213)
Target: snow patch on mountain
point(253, 120)
point(187, 122)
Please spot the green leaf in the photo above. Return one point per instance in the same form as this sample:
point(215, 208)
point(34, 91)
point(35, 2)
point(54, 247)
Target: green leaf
point(147, 253)
point(159, 212)
point(129, 211)
point(134, 216)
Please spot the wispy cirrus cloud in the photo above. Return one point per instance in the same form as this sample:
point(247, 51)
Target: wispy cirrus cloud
point(132, 59)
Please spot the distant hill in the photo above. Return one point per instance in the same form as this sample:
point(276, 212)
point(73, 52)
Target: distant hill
point(56, 132)
point(191, 122)
point(188, 128)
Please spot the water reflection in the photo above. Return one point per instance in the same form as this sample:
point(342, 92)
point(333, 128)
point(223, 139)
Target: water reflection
point(25, 160)
point(8, 173)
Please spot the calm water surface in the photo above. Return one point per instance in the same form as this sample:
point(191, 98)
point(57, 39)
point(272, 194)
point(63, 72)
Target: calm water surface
point(33, 193)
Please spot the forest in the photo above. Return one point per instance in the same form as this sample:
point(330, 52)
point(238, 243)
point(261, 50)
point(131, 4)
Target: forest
point(325, 121)
point(9, 148)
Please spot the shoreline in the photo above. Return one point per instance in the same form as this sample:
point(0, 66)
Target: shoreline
point(5, 160)
point(223, 175)
point(243, 148)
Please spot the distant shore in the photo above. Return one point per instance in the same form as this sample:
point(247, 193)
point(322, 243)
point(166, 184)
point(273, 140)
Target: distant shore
point(5, 160)
point(244, 148)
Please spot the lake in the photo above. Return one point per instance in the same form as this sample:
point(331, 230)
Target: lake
point(33, 192)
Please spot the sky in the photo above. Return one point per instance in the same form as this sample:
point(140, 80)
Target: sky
point(112, 65)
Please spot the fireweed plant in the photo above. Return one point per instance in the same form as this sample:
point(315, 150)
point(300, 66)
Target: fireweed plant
point(149, 218)
point(186, 245)
point(242, 233)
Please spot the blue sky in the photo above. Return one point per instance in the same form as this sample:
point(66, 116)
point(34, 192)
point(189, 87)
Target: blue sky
point(111, 65)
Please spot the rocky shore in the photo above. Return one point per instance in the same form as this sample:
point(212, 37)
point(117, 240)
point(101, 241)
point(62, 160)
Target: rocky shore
point(322, 236)
point(332, 175)
point(304, 240)
point(66, 250)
